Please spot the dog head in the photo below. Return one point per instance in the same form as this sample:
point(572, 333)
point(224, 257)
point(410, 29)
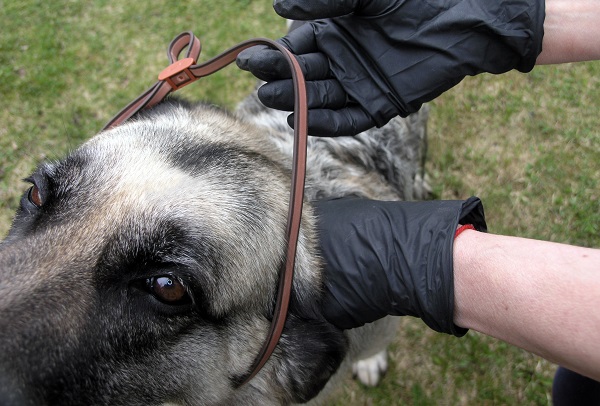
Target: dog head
point(142, 269)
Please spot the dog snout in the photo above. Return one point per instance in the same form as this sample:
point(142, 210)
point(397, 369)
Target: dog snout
point(38, 313)
point(12, 394)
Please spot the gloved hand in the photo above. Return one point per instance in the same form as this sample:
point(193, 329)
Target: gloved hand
point(392, 258)
point(381, 58)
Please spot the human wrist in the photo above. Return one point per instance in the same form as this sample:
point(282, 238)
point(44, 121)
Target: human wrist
point(570, 32)
point(465, 266)
point(479, 259)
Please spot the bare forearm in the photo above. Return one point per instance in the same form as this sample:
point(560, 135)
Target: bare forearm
point(571, 31)
point(540, 296)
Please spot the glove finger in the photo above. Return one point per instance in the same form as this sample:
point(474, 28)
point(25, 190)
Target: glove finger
point(327, 94)
point(302, 40)
point(263, 62)
point(299, 41)
point(269, 64)
point(314, 66)
point(336, 123)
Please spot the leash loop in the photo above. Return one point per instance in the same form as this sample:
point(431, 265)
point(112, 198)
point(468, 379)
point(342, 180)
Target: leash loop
point(185, 71)
point(180, 42)
point(177, 74)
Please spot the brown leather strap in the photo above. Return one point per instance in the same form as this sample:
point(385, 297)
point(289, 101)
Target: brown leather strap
point(185, 71)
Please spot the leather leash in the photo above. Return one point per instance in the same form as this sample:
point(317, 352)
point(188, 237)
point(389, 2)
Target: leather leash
point(182, 72)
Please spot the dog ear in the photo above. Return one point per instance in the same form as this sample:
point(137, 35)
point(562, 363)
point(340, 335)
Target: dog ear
point(313, 351)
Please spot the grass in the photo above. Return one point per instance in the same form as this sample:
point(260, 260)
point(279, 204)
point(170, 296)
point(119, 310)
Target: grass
point(526, 144)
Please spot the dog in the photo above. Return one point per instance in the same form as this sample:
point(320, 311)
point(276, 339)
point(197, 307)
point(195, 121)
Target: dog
point(142, 268)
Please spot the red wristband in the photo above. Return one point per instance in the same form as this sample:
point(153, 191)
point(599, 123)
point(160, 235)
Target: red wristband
point(460, 229)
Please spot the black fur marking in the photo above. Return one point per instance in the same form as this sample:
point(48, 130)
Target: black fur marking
point(314, 351)
point(158, 247)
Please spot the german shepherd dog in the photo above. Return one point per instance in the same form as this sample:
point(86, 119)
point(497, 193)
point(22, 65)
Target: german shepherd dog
point(142, 268)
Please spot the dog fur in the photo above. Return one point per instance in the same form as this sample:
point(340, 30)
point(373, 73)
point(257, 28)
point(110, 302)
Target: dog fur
point(198, 195)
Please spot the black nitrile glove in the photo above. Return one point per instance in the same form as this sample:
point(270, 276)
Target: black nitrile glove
point(381, 58)
point(392, 258)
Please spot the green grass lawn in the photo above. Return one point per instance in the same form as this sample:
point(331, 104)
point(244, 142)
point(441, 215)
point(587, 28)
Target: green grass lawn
point(528, 145)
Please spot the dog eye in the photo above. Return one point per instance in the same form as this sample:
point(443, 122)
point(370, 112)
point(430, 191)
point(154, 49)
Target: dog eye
point(35, 196)
point(168, 289)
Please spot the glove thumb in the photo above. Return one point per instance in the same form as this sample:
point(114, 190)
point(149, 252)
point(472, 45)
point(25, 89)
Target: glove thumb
point(314, 9)
point(318, 9)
